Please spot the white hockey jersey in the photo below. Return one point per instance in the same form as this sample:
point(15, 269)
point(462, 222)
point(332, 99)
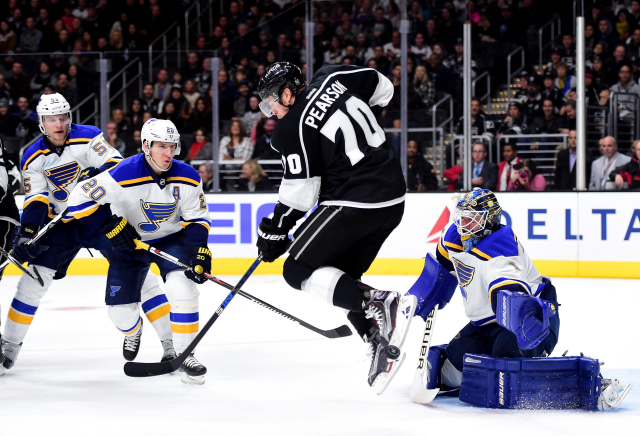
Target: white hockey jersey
point(155, 207)
point(50, 177)
point(497, 262)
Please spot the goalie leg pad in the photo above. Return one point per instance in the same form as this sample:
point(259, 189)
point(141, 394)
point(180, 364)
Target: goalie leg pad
point(435, 358)
point(531, 383)
point(435, 285)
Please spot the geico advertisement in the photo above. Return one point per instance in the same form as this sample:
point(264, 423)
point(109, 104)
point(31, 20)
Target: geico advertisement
point(551, 226)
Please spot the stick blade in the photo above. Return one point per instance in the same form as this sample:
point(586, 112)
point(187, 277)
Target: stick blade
point(140, 369)
point(341, 332)
point(421, 395)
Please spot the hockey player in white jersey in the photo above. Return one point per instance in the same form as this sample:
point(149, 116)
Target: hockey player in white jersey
point(65, 155)
point(159, 200)
point(494, 361)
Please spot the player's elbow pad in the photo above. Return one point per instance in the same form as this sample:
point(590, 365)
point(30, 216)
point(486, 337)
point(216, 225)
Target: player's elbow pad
point(526, 316)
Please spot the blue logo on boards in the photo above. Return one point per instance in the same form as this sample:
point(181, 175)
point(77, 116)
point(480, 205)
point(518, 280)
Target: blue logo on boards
point(114, 289)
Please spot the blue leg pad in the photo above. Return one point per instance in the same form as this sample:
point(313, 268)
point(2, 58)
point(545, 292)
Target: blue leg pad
point(531, 383)
point(435, 359)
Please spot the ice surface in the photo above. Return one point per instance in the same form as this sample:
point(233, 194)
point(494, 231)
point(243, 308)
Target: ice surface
point(269, 376)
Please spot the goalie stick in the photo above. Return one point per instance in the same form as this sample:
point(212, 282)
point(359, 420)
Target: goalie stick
point(13, 260)
point(139, 369)
point(339, 332)
point(419, 392)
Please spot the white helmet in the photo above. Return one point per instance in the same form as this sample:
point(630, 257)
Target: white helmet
point(52, 104)
point(162, 131)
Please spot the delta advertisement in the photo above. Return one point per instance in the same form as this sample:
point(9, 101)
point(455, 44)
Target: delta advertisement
point(593, 234)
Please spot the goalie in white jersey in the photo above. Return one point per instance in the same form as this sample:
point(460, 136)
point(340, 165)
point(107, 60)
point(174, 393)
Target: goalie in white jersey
point(51, 167)
point(159, 200)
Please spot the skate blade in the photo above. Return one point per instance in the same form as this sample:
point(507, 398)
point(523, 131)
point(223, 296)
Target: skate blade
point(621, 395)
point(404, 315)
point(191, 380)
point(383, 379)
point(1, 370)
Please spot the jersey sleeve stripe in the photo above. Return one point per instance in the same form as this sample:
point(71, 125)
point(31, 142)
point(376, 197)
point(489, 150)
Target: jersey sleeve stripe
point(202, 223)
point(443, 251)
point(34, 156)
point(184, 180)
point(508, 285)
point(85, 212)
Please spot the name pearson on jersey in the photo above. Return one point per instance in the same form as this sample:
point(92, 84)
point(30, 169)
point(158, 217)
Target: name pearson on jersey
point(323, 102)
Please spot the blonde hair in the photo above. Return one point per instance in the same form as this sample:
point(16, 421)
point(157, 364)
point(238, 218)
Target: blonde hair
point(256, 170)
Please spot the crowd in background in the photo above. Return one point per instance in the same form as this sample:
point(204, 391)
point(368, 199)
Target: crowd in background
point(249, 35)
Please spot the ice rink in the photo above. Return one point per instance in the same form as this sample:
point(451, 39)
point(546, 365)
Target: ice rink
point(269, 376)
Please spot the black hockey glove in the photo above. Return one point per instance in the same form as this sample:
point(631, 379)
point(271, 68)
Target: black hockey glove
point(88, 173)
point(25, 253)
point(200, 264)
point(120, 233)
point(272, 240)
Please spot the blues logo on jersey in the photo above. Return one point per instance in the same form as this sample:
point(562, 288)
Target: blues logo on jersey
point(156, 213)
point(60, 177)
point(464, 272)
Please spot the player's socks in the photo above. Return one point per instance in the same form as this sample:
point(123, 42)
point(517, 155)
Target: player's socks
point(191, 371)
point(10, 352)
point(131, 344)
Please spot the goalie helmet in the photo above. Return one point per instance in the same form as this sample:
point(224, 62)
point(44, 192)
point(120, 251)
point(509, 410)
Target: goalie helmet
point(477, 214)
point(52, 104)
point(281, 75)
point(162, 131)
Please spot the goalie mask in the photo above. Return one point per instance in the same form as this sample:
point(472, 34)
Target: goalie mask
point(53, 104)
point(161, 131)
point(477, 214)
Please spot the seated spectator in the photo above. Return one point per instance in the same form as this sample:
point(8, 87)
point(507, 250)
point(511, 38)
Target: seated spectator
point(626, 85)
point(526, 178)
point(333, 56)
point(253, 113)
point(134, 146)
point(601, 168)
point(420, 173)
point(201, 147)
point(18, 83)
point(192, 66)
point(67, 90)
point(8, 38)
point(569, 111)
point(226, 94)
point(113, 139)
point(565, 172)
point(7, 126)
point(169, 113)
point(480, 123)
point(236, 145)
point(516, 122)
point(124, 127)
point(485, 173)
point(203, 78)
point(206, 174)
point(532, 101)
point(162, 88)
point(241, 98)
point(264, 130)
point(421, 50)
point(30, 37)
point(135, 114)
point(549, 122)
point(191, 92)
point(424, 87)
point(618, 60)
point(4, 90)
point(507, 166)
point(149, 102)
point(550, 91)
point(628, 173)
point(200, 117)
point(595, 95)
point(564, 82)
point(253, 178)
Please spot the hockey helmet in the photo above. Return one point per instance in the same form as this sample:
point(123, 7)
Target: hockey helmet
point(162, 131)
point(281, 75)
point(477, 214)
point(52, 104)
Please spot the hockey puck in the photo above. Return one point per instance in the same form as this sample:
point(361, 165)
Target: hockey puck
point(393, 352)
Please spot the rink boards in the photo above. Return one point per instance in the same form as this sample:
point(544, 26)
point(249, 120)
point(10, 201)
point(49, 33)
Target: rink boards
point(567, 234)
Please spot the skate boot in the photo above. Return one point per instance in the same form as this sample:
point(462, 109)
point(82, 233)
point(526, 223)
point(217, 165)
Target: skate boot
point(613, 392)
point(169, 352)
point(131, 344)
point(191, 371)
point(392, 315)
point(10, 352)
point(382, 370)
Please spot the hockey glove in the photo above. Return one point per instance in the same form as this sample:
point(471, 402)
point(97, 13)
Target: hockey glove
point(526, 316)
point(200, 264)
point(87, 173)
point(25, 253)
point(272, 240)
point(120, 233)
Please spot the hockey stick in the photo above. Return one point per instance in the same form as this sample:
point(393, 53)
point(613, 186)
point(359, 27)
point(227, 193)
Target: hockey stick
point(339, 332)
point(136, 369)
point(419, 392)
point(13, 260)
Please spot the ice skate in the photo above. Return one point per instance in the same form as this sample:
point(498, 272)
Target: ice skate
point(1, 359)
point(10, 352)
point(392, 315)
point(613, 392)
point(168, 352)
point(191, 371)
point(131, 344)
point(382, 370)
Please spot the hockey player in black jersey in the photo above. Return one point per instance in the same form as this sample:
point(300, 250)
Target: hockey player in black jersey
point(335, 154)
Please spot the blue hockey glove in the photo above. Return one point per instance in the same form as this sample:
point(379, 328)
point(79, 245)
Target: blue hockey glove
point(526, 316)
point(272, 240)
point(120, 233)
point(88, 173)
point(200, 264)
point(25, 253)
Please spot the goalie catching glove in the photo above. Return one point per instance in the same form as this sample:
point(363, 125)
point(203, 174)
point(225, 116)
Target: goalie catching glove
point(272, 240)
point(200, 264)
point(120, 233)
point(526, 316)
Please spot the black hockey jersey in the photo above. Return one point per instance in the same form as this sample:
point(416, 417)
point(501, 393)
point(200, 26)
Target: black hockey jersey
point(8, 209)
point(333, 149)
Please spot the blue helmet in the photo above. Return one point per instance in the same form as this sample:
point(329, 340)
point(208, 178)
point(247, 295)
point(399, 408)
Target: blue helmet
point(477, 214)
